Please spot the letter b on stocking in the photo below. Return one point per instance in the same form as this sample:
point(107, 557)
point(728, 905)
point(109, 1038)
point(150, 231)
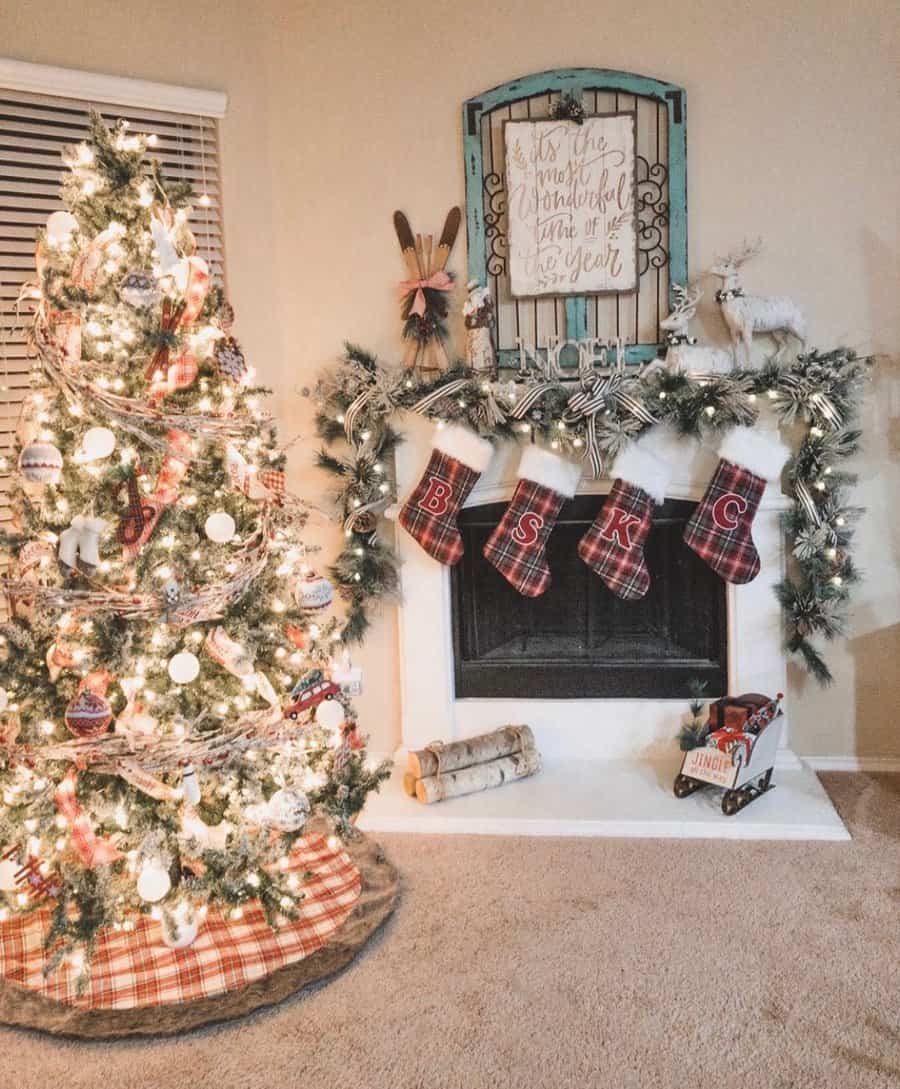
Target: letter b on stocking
point(436, 499)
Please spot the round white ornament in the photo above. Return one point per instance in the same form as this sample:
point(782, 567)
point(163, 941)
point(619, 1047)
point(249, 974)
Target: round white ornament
point(41, 463)
point(8, 871)
point(153, 882)
point(330, 714)
point(60, 226)
point(182, 933)
point(288, 810)
point(220, 527)
point(97, 443)
point(184, 667)
point(313, 592)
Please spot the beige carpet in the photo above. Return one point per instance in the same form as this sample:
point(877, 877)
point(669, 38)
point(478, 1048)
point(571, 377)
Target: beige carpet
point(556, 964)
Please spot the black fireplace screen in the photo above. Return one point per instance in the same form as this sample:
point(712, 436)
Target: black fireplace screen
point(579, 640)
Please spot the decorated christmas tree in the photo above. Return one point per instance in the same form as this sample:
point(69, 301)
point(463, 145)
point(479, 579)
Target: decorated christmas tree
point(169, 720)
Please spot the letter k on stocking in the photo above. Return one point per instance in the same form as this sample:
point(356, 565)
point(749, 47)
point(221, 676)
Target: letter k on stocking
point(614, 545)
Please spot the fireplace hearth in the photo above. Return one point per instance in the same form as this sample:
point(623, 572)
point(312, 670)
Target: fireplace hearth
point(578, 640)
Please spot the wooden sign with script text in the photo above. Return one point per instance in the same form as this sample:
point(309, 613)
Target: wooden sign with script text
point(571, 206)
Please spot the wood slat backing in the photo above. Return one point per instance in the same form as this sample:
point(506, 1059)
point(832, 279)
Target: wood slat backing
point(34, 130)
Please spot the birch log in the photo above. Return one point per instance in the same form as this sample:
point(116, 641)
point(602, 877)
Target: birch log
point(409, 783)
point(474, 750)
point(479, 777)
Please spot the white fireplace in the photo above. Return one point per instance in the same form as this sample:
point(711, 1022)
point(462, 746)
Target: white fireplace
point(621, 749)
point(571, 729)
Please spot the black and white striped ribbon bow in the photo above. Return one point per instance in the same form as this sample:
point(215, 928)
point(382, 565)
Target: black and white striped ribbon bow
point(819, 402)
point(530, 398)
point(826, 407)
point(431, 399)
point(597, 395)
point(806, 501)
point(352, 413)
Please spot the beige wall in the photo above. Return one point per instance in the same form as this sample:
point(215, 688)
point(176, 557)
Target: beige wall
point(341, 112)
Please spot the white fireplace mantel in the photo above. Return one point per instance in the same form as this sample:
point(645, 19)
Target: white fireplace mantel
point(572, 729)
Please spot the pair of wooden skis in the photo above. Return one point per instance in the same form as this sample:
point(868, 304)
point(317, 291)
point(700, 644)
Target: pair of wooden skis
point(426, 352)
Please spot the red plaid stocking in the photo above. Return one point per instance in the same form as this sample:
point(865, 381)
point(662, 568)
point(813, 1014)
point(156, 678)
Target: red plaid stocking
point(429, 514)
point(614, 545)
point(719, 529)
point(517, 547)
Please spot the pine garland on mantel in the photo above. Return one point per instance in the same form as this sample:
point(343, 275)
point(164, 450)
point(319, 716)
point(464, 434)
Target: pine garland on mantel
point(816, 397)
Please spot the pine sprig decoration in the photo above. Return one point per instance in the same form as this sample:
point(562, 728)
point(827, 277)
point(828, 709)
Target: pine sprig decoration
point(693, 733)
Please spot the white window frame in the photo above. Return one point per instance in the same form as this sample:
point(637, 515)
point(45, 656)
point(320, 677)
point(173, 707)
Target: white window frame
point(43, 79)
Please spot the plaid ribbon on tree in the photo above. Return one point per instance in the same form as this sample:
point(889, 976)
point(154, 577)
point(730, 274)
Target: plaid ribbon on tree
point(719, 529)
point(517, 546)
point(134, 969)
point(614, 545)
point(429, 515)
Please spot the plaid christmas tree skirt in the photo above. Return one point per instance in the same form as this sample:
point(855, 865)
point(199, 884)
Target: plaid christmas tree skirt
point(140, 986)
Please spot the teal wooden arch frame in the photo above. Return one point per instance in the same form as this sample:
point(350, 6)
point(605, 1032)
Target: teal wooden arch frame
point(575, 82)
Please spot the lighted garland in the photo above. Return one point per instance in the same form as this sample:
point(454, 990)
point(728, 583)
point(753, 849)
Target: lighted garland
point(817, 395)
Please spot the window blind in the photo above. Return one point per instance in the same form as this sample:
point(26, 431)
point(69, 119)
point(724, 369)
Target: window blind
point(34, 129)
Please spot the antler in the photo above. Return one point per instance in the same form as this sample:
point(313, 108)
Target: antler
point(746, 252)
point(686, 298)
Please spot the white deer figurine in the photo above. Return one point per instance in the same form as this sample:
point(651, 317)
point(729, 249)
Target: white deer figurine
point(746, 315)
point(682, 351)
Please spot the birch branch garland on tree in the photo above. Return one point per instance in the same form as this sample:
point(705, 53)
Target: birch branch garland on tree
point(440, 758)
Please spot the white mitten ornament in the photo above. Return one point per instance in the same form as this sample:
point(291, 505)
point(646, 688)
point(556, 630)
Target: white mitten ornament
point(69, 543)
point(79, 545)
point(89, 547)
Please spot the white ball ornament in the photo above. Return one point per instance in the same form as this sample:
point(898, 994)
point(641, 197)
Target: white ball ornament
point(41, 463)
point(220, 527)
point(288, 810)
point(60, 227)
point(182, 932)
point(8, 871)
point(184, 667)
point(97, 443)
point(313, 592)
point(330, 715)
point(153, 882)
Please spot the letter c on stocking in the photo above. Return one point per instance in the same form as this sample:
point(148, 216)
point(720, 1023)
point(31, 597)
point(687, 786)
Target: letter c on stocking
point(727, 510)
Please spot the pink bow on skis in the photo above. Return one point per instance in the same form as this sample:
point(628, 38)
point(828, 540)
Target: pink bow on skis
point(437, 281)
point(92, 849)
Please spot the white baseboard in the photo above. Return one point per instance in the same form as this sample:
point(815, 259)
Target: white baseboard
point(853, 763)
